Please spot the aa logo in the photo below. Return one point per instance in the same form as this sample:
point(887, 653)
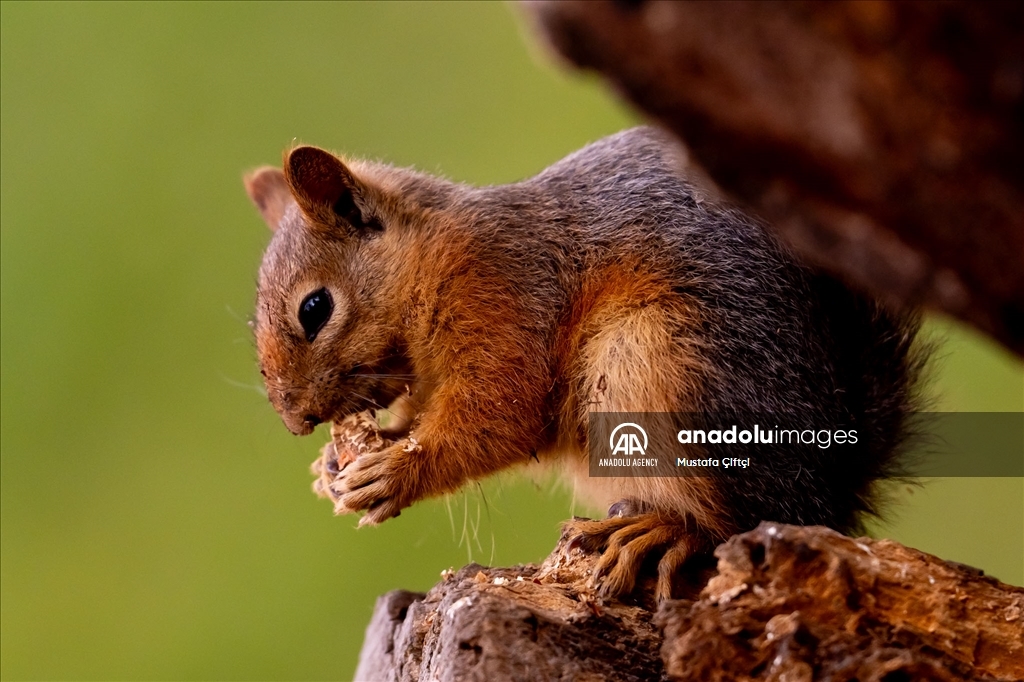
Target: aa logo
point(626, 440)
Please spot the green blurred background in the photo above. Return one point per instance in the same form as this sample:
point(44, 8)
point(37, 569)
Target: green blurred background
point(157, 520)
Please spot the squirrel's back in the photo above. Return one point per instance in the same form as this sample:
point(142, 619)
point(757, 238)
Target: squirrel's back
point(769, 337)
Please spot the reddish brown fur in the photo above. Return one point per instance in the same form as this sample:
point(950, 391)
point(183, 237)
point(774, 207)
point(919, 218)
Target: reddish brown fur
point(611, 300)
point(505, 316)
point(481, 382)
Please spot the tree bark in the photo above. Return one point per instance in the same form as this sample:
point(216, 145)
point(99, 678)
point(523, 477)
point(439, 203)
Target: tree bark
point(885, 140)
point(521, 623)
point(787, 603)
point(796, 603)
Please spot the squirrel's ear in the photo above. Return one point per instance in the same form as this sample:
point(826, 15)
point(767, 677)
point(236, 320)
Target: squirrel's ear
point(269, 191)
point(326, 190)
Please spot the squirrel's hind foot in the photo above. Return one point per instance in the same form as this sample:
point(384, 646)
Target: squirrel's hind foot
point(628, 542)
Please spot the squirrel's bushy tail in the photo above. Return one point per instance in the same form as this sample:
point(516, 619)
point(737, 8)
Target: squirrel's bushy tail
point(881, 363)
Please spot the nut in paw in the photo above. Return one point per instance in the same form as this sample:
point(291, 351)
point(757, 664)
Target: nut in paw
point(351, 438)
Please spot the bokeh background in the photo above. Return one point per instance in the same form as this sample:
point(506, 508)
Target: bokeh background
point(157, 521)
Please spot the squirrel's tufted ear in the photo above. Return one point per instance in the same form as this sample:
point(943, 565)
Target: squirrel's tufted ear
point(326, 190)
point(269, 191)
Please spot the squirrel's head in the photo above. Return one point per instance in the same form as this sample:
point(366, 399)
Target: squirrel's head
point(322, 333)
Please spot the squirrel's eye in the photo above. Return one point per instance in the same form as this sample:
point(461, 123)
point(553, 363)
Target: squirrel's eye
point(314, 312)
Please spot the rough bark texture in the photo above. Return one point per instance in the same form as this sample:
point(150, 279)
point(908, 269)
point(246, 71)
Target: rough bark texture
point(884, 139)
point(794, 603)
point(519, 623)
point(787, 603)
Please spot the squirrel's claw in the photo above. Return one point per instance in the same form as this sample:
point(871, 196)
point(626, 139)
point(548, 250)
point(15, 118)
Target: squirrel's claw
point(626, 542)
point(382, 511)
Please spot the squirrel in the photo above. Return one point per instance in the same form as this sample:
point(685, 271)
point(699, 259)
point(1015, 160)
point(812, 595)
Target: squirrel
point(506, 315)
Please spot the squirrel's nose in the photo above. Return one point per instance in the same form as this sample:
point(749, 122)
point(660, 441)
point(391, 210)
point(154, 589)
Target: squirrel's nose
point(300, 426)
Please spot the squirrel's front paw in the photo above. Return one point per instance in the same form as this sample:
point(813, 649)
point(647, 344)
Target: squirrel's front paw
point(382, 483)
